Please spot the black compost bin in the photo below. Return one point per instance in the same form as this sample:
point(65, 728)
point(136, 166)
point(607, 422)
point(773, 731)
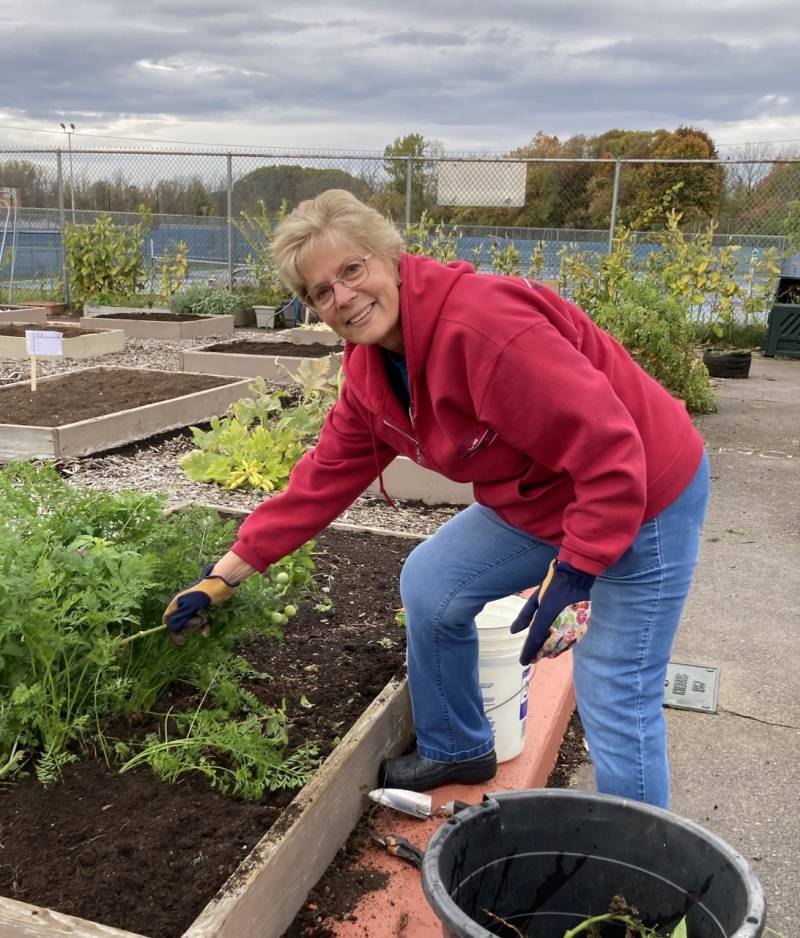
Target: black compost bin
point(545, 859)
point(783, 324)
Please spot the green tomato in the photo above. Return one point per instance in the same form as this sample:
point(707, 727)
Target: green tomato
point(290, 611)
point(278, 618)
point(282, 578)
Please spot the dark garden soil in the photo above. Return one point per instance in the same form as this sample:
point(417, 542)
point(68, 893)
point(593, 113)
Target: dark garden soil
point(571, 755)
point(18, 329)
point(152, 317)
point(129, 851)
point(93, 392)
point(313, 350)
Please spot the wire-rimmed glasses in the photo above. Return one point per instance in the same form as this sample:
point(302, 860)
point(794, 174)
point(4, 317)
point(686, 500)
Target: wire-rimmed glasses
point(352, 274)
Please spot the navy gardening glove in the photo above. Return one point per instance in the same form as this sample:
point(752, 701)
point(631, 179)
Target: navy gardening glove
point(558, 612)
point(186, 610)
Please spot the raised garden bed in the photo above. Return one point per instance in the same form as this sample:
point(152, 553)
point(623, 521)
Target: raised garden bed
point(93, 409)
point(35, 314)
point(259, 358)
point(403, 478)
point(316, 336)
point(136, 854)
point(77, 342)
point(156, 324)
point(93, 309)
point(51, 307)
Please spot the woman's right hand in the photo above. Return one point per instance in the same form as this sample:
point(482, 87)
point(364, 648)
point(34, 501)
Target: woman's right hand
point(186, 610)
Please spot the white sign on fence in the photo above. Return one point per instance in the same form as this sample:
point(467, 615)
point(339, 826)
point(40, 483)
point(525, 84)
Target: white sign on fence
point(43, 343)
point(487, 183)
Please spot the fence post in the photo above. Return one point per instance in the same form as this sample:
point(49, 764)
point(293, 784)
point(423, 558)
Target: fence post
point(408, 190)
point(614, 199)
point(62, 222)
point(230, 220)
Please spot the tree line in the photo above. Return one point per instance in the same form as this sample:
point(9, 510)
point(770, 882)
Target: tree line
point(762, 198)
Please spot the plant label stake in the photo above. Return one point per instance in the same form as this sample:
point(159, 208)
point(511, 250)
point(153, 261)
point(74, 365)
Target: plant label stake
point(42, 343)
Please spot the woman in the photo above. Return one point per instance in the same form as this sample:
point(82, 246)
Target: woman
point(589, 479)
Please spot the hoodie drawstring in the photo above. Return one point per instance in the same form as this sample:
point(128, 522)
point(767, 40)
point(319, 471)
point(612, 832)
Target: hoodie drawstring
point(381, 487)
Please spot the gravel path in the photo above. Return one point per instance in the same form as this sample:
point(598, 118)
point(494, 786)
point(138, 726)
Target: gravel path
point(152, 464)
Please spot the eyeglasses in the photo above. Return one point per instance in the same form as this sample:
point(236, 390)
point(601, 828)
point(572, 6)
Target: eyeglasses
point(352, 273)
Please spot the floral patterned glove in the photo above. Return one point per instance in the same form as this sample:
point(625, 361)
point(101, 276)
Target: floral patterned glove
point(557, 613)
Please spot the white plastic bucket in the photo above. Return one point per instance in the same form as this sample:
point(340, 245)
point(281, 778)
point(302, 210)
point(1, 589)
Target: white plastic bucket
point(503, 680)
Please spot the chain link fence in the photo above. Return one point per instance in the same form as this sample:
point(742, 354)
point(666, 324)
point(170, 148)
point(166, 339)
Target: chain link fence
point(543, 207)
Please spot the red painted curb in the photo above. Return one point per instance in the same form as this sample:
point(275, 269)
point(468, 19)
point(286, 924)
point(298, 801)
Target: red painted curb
point(400, 910)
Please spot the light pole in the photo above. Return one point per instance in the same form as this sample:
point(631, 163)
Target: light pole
point(69, 134)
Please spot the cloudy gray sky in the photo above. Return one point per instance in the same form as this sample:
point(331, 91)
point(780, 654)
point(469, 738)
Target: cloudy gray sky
point(475, 76)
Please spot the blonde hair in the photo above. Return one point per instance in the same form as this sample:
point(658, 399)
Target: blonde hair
point(332, 215)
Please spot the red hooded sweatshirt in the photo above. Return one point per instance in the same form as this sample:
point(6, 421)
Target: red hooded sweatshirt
point(514, 390)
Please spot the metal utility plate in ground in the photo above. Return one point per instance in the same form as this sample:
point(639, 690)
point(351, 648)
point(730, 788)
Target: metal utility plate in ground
point(691, 687)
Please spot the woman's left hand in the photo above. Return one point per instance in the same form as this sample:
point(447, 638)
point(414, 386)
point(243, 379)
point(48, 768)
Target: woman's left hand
point(557, 613)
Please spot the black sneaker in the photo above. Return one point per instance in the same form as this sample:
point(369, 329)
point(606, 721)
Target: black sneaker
point(416, 773)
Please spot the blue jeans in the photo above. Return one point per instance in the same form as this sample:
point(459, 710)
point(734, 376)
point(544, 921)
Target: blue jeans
point(618, 669)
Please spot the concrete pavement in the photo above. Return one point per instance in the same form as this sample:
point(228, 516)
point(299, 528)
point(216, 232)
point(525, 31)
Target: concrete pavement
point(736, 771)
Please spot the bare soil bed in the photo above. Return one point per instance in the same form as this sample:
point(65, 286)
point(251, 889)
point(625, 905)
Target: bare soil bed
point(154, 317)
point(266, 347)
point(18, 329)
point(80, 395)
point(132, 852)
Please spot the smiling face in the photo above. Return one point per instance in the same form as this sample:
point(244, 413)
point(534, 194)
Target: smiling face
point(366, 314)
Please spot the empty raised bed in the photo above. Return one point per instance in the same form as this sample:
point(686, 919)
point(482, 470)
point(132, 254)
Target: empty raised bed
point(146, 324)
point(77, 342)
point(93, 409)
point(273, 361)
point(316, 335)
point(35, 314)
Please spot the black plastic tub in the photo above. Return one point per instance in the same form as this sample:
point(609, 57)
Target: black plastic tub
point(544, 860)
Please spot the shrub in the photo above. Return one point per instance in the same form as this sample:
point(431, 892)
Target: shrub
point(656, 330)
point(103, 259)
point(201, 300)
point(133, 300)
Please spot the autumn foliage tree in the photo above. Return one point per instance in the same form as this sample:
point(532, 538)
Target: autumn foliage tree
point(575, 193)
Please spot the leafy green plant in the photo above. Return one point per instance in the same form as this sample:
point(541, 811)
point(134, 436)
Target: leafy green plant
point(536, 264)
point(257, 229)
point(243, 758)
point(103, 259)
point(186, 300)
point(722, 301)
point(432, 239)
point(505, 260)
point(257, 443)
point(656, 330)
point(174, 267)
point(201, 300)
point(84, 578)
point(706, 278)
point(591, 279)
